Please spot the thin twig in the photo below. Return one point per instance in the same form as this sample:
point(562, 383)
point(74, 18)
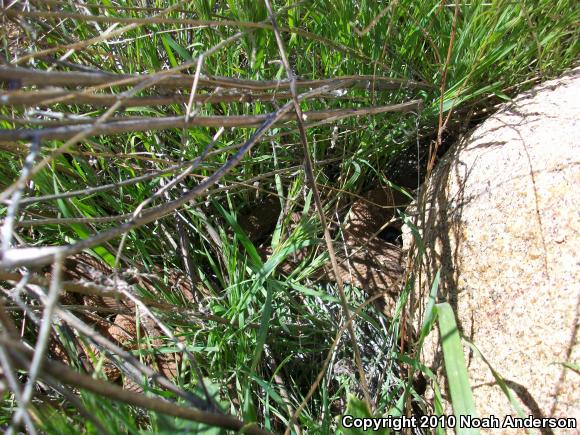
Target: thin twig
point(130, 181)
point(128, 358)
point(169, 185)
point(308, 166)
point(8, 227)
point(440, 129)
point(19, 257)
point(169, 122)
point(246, 26)
point(9, 331)
point(85, 43)
point(179, 344)
point(42, 340)
point(91, 290)
point(69, 377)
point(329, 354)
point(15, 387)
point(48, 97)
point(170, 80)
point(144, 84)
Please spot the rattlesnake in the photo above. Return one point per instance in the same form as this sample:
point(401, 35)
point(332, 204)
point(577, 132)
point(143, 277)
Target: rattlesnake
point(372, 264)
point(366, 260)
point(121, 328)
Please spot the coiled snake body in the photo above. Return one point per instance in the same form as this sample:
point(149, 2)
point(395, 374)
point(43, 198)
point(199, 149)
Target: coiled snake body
point(366, 259)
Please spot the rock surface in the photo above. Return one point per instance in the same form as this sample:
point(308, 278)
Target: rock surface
point(501, 221)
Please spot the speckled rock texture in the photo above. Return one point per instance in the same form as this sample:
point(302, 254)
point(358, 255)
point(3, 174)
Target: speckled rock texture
point(501, 220)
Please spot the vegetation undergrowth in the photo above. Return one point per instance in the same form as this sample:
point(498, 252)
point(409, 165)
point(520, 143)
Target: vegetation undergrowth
point(244, 336)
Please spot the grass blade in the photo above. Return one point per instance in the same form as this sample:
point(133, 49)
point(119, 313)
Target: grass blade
point(461, 394)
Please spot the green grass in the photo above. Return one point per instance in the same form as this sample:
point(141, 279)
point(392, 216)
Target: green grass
point(278, 324)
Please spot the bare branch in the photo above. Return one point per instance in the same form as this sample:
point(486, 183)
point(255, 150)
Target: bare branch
point(61, 372)
point(145, 83)
point(29, 77)
point(46, 97)
point(164, 123)
point(244, 25)
point(18, 257)
point(85, 43)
